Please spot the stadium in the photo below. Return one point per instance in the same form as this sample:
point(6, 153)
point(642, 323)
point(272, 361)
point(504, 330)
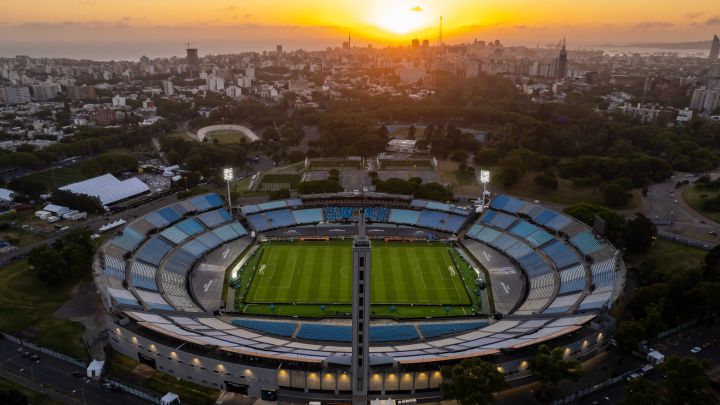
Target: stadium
point(259, 303)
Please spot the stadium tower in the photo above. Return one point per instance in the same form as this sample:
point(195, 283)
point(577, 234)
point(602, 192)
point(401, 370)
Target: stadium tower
point(361, 314)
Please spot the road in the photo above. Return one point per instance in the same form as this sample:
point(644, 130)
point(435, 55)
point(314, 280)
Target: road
point(665, 206)
point(54, 378)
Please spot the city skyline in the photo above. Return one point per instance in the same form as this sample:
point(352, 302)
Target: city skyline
point(131, 28)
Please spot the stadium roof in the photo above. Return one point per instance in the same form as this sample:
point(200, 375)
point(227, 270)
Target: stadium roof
point(108, 188)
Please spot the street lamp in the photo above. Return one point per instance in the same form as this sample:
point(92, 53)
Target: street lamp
point(228, 176)
point(484, 179)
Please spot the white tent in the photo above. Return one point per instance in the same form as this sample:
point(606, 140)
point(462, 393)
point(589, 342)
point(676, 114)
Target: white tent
point(95, 368)
point(169, 399)
point(108, 188)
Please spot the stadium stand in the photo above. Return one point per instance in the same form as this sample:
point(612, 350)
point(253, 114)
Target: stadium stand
point(143, 275)
point(128, 240)
point(174, 235)
point(433, 330)
point(438, 206)
point(586, 243)
point(507, 204)
point(280, 218)
point(308, 216)
point(190, 226)
point(498, 219)
point(572, 279)
point(153, 301)
point(405, 217)
point(561, 254)
point(214, 218)
point(123, 297)
point(154, 250)
point(285, 329)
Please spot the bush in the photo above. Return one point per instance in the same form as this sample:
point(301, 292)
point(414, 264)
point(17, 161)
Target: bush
point(546, 181)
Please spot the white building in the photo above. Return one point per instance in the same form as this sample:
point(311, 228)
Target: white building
point(15, 95)
point(402, 145)
point(684, 116)
point(215, 83)
point(704, 99)
point(168, 87)
point(118, 101)
point(233, 91)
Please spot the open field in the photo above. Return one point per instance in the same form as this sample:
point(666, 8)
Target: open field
point(314, 279)
point(34, 397)
point(55, 178)
point(695, 197)
point(671, 257)
point(226, 137)
point(28, 305)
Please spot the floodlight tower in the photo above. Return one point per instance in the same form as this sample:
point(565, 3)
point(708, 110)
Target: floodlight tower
point(228, 177)
point(361, 315)
point(484, 179)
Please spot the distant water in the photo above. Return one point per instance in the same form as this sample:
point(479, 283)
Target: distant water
point(617, 50)
point(133, 50)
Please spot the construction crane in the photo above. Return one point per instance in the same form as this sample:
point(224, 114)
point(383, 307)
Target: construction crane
point(187, 44)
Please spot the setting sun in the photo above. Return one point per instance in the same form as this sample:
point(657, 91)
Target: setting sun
point(403, 18)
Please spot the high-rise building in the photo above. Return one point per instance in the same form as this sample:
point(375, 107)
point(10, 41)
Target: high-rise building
point(82, 92)
point(704, 99)
point(193, 61)
point(415, 43)
point(44, 91)
point(279, 49)
point(168, 87)
point(715, 48)
point(16, 95)
point(562, 62)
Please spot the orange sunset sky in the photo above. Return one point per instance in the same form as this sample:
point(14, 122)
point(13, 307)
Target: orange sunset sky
point(319, 23)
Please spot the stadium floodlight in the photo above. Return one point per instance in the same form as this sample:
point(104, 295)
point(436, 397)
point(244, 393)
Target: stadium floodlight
point(228, 176)
point(484, 179)
point(484, 176)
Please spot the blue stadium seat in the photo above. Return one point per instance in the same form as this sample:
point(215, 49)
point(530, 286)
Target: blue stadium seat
point(154, 250)
point(405, 217)
point(190, 226)
point(308, 216)
point(561, 254)
point(586, 242)
point(433, 330)
point(280, 218)
point(284, 329)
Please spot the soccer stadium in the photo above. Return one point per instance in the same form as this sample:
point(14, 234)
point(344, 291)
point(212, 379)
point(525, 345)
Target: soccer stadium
point(259, 301)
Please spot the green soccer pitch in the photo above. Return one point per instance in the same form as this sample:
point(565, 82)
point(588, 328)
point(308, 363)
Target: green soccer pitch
point(290, 276)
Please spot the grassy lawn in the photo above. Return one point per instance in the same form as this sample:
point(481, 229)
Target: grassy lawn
point(18, 238)
point(226, 137)
point(120, 366)
point(287, 180)
point(313, 279)
point(671, 257)
point(566, 193)
point(26, 302)
point(180, 135)
point(695, 197)
point(62, 176)
point(34, 397)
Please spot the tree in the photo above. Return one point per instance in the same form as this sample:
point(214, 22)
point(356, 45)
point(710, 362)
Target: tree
point(411, 132)
point(433, 191)
point(686, 381)
point(12, 397)
point(615, 196)
point(280, 194)
point(472, 382)
point(628, 335)
point(319, 187)
point(639, 234)
point(80, 202)
point(643, 391)
point(550, 367)
point(546, 181)
point(51, 267)
point(510, 175)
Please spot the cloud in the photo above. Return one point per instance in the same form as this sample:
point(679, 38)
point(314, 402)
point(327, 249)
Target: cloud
point(713, 21)
point(230, 8)
point(247, 15)
point(654, 24)
point(417, 8)
point(520, 27)
point(694, 15)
